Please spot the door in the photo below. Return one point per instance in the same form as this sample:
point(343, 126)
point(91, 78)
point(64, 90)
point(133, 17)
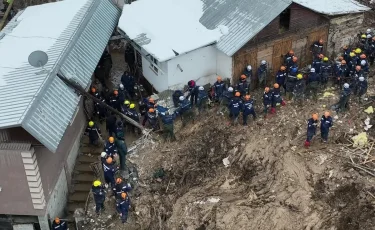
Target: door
point(313, 37)
point(279, 50)
point(241, 61)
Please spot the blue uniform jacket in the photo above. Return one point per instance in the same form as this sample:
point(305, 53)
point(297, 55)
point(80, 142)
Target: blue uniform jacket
point(99, 194)
point(242, 87)
point(219, 88)
point(313, 77)
point(325, 123)
point(311, 126)
point(168, 119)
point(326, 68)
point(109, 169)
point(132, 113)
point(280, 77)
point(247, 73)
point(317, 65)
point(248, 107)
point(202, 95)
point(185, 105)
point(110, 148)
point(122, 206)
point(362, 87)
point(235, 105)
point(276, 96)
point(267, 98)
point(128, 81)
point(120, 188)
point(61, 226)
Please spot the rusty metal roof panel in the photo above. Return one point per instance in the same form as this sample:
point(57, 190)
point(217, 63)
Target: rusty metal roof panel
point(244, 19)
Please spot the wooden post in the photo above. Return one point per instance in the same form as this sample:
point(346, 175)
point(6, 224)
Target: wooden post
point(6, 14)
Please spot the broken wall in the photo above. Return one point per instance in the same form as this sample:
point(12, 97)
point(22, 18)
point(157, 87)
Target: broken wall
point(343, 30)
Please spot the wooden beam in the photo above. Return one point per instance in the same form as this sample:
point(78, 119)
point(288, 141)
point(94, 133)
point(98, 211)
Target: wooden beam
point(6, 14)
point(82, 91)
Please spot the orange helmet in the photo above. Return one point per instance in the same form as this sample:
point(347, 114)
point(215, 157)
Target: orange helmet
point(111, 140)
point(109, 160)
point(276, 86)
point(321, 41)
point(295, 59)
point(57, 220)
point(282, 68)
point(343, 62)
point(247, 97)
point(243, 76)
point(291, 52)
point(93, 90)
point(358, 68)
point(327, 114)
point(123, 195)
point(118, 180)
point(315, 116)
point(321, 56)
point(341, 58)
point(237, 94)
point(151, 110)
point(219, 78)
point(345, 47)
point(267, 89)
point(151, 100)
point(373, 38)
point(115, 92)
point(363, 56)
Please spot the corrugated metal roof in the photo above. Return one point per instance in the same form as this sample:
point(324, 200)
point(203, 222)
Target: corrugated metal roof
point(15, 146)
point(244, 19)
point(44, 104)
point(333, 7)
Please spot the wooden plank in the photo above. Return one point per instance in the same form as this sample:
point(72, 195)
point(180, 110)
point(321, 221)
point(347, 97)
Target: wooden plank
point(242, 60)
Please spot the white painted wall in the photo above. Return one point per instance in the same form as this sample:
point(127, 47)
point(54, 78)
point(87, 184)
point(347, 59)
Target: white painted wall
point(223, 65)
point(159, 81)
point(195, 65)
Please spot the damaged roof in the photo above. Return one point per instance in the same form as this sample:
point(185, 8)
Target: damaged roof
point(74, 34)
point(244, 19)
point(168, 28)
point(333, 7)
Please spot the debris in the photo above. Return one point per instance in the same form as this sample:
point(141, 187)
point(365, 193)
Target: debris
point(369, 110)
point(367, 124)
point(330, 173)
point(226, 162)
point(336, 117)
point(360, 140)
point(328, 94)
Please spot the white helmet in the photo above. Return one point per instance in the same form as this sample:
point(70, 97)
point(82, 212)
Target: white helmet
point(121, 86)
point(368, 31)
point(346, 86)
point(363, 62)
point(103, 154)
point(201, 88)
point(312, 70)
point(230, 89)
point(181, 98)
point(369, 36)
point(263, 62)
point(248, 67)
point(361, 78)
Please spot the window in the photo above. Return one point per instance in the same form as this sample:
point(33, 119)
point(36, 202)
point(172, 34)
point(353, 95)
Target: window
point(153, 64)
point(284, 20)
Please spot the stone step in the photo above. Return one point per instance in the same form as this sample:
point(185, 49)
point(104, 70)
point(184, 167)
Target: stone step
point(73, 206)
point(83, 177)
point(78, 197)
point(91, 150)
point(83, 168)
point(82, 187)
point(87, 159)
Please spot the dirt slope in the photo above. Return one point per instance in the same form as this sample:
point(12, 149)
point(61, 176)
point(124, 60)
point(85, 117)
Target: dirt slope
point(272, 182)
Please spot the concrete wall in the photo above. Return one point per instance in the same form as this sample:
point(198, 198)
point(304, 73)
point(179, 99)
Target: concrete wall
point(59, 196)
point(223, 65)
point(196, 64)
point(14, 196)
point(343, 30)
point(158, 80)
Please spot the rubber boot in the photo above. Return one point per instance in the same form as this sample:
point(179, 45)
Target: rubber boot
point(283, 103)
point(273, 110)
point(307, 144)
point(288, 96)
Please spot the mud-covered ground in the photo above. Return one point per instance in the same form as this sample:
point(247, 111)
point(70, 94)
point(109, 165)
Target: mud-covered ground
point(272, 182)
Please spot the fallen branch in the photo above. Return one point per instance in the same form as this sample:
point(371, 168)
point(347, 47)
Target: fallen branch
point(370, 194)
point(362, 168)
